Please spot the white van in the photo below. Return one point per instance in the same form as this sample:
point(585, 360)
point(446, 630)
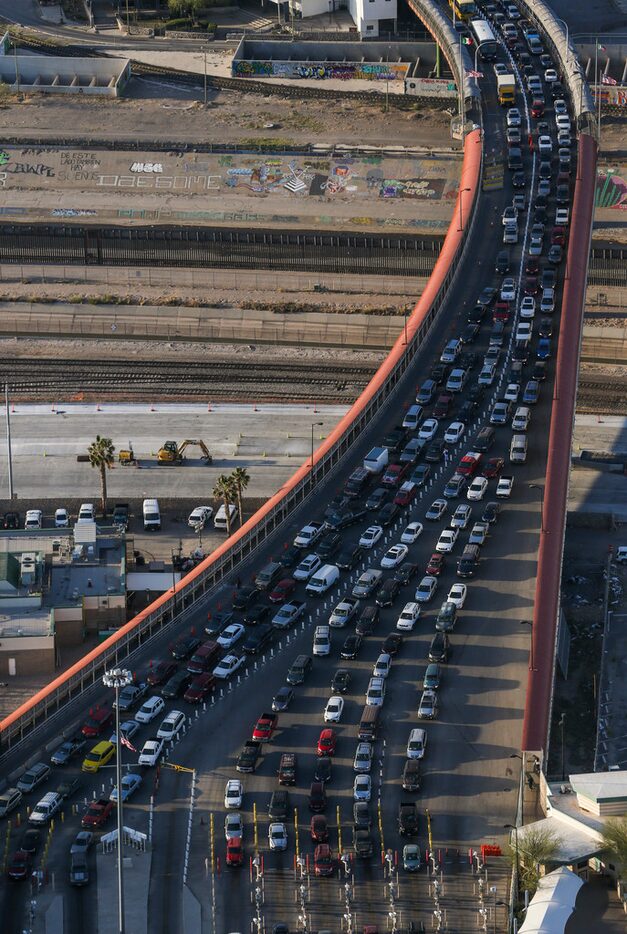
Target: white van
point(323, 579)
point(521, 419)
point(518, 449)
point(413, 417)
point(219, 520)
point(33, 519)
point(87, 513)
point(152, 515)
point(416, 744)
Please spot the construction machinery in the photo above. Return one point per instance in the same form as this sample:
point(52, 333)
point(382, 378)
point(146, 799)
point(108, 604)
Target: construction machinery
point(173, 453)
point(126, 456)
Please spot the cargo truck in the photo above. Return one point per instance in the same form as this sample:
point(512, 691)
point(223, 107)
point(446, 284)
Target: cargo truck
point(506, 89)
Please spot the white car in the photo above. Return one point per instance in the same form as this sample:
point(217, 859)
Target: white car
point(151, 751)
point(426, 589)
point(408, 617)
point(61, 519)
point(172, 725)
point(307, 567)
point(233, 827)
point(508, 290)
point(512, 392)
point(308, 535)
point(477, 489)
point(550, 76)
point(228, 666)
point(454, 432)
point(564, 139)
point(446, 541)
point(233, 793)
point(33, 519)
point(461, 516)
point(199, 516)
point(362, 788)
point(381, 667)
point(545, 145)
point(428, 429)
point(514, 136)
point(371, 536)
point(375, 695)
point(504, 487)
point(411, 533)
point(150, 709)
point(478, 533)
point(130, 783)
point(457, 595)
point(562, 122)
point(288, 614)
point(510, 215)
point(334, 708)
point(344, 612)
point(277, 836)
point(87, 513)
point(513, 117)
point(363, 757)
point(437, 509)
point(231, 635)
point(394, 555)
point(524, 331)
point(510, 233)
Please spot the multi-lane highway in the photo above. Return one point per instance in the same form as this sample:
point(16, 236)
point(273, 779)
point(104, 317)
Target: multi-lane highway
point(469, 783)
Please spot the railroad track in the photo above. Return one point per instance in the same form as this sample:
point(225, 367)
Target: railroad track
point(240, 380)
point(602, 394)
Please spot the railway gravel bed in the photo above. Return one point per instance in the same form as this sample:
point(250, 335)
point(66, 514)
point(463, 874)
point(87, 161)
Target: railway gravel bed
point(602, 394)
point(211, 379)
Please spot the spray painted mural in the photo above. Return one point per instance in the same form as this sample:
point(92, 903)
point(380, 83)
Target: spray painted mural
point(611, 190)
point(342, 71)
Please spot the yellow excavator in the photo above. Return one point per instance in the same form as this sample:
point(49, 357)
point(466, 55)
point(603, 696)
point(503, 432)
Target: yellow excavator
point(126, 457)
point(173, 453)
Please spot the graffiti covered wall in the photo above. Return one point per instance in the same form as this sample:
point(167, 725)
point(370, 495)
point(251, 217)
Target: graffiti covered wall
point(343, 71)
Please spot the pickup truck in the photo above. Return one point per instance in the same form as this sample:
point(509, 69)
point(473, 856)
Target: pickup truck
point(131, 695)
point(265, 727)
point(407, 819)
point(97, 814)
point(287, 769)
point(120, 516)
point(247, 759)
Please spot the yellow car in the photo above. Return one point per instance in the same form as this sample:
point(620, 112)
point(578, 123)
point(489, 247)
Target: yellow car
point(99, 755)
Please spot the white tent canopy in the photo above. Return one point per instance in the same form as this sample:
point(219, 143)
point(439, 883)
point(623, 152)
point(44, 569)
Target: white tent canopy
point(552, 905)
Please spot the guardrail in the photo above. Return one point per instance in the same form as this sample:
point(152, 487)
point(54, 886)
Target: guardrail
point(211, 572)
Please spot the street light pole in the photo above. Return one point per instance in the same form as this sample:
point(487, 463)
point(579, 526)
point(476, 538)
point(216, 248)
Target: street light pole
point(118, 678)
point(561, 726)
point(9, 456)
point(313, 425)
point(514, 755)
point(540, 488)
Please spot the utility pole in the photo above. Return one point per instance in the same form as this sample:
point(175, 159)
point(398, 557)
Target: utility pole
point(205, 58)
point(9, 456)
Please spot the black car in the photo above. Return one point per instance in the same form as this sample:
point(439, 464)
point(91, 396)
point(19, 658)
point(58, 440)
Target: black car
point(470, 332)
point(395, 439)
point(476, 393)
point(327, 546)
point(545, 171)
point(258, 640)
point(244, 597)
point(351, 646)
point(502, 262)
point(69, 787)
point(467, 360)
point(476, 314)
point(257, 613)
point(490, 512)
point(435, 452)
point(177, 684)
point(348, 557)
point(341, 681)
point(520, 352)
point(466, 411)
point(367, 621)
point(30, 841)
point(549, 279)
point(440, 373)
point(337, 504)
point(405, 572)
point(387, 592)
point(323, 769)
point(392, 643)
point(279, 806)
point(546, 327)
point(11, 520)
point(439, 648)
point(519, 180)
point(484, 439)
point(343, 518)
point(555, 254)
point(361, 815)
point(487, 296)
point(562, 195)
point(185, 648)
point(378, 498)
point(388, 513)
point(218, 622)
point(539, 370)
point(317, 797)
point(290, 556)
point(282, 699)
point(407, 819)
point(515, 372)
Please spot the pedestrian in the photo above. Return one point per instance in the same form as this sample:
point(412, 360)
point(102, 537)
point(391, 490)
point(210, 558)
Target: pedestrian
point(238, 582)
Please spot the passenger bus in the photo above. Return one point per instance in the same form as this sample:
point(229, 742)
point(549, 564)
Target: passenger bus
point(463, 9)
point(484, 38)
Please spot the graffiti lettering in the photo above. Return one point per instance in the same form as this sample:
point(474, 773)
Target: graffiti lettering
point(340, 71)
point(147, 167)
point(169, 182)
point(25, 168)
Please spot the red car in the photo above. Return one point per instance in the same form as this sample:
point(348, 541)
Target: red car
point(199, 688)
point(20, 866)
point(501, 311)
point(97, 814)
point(493, 468)
point(558, 236)
point(394, 474)
point(265, 727)
point(100, 719)
point(537, 109)
point(324, 864)
point(531, 285)
point(234, 852)
point(161, 673)
point(284, 589)
point(406, 494)
point(326, 743)
point(442, 405)
point(469, 463)
point(435, 565)
point(532, 266)
point(319, 828)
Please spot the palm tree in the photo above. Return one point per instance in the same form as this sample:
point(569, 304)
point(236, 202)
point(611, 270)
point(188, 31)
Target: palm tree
point(614, 835)
point(241, 479)
point(101, 455)
point(224, 488)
